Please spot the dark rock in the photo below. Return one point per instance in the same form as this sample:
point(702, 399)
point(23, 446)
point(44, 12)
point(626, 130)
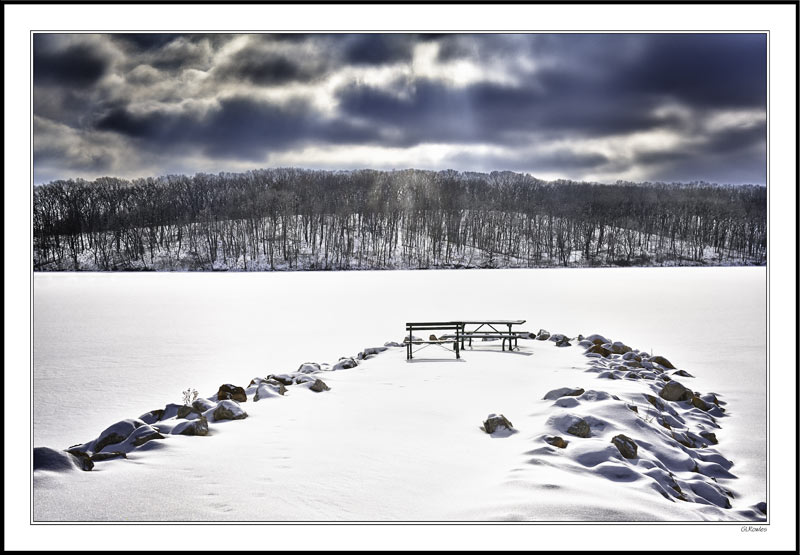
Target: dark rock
point(319, 386)
point(711, 437)
point(543, 335)
point(656, 402)
point(495, 422)
point(557, 441)
point(620, 348)
point(116, 433)
point(229, 410)
point(632, 376)
point(432, 337)
point(284, 379)
point(100, 457)
point(369, 351)
point(632, 364)
point(185, 411)
point(144, 434)
point(202, 405)
point(675, 391)
point(585, 343)
point(697, 402)
point(46, 458)
point(666, 378)
point(197, 427)
point(682, 373)
point(762, 507)
point(686, 441)
point(580, 428)
point(563, 343)
point(627, 447)
point(597, 339)
point(309, 368)
point(347, 362)
point(599, 349)
point(634, 408)
point(662, 361)
point(558, 337)
point(563, 392)
point(233, 392)
point(152, 417)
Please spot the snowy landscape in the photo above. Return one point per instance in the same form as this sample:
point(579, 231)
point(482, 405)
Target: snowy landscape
point(338, 427)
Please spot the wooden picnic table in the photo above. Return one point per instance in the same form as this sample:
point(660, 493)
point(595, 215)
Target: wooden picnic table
point(482, 329)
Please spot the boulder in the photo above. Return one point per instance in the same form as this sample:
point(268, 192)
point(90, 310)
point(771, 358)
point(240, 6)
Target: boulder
point(197, 427)
point(100, 457)
point(268, 388)
point(662, 361)
point(675, 391)
point(152, 417)
point(632, 363)
point(319, 386)
point(284, 379)
point(45, 458)
point(630, 355)
point(229, 410)
point(563, 392)
point(558, 337)
point(598, 349)
point(620, 348)
point(655, 401)
point(627, 447)
point(185, 411)
point(632, 376)
point(634, 408)
point(392, 344)
point(597, 339)
point(346, 363)
point(585, 343)
point(143, 434)
point(495, 422)
point(580, 428)
point(563, 343)
point(308, 368)
point(369, 351)
point(116, 433)
point(682, 373)
point(710, 437)
point(233, 392)
point(697, 402)
point(543, 335)
point(557, 441)
point(202, 405)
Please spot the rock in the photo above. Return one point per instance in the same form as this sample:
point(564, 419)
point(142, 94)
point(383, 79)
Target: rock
point(620, 348)
point(319, 386)
point(697, 402)
point(632, 376)
point(233, 392)
point(143, 434)
point(580, 428)
point(711, 437)
point(563, 392)
point(308, 368)
point(762, 507)
point(585, 343)
point(543, 335)
point(632, 364)
point(170, 411)
point(558, 337)
point(369, 351)
point(152, 417)
point(557, 441)
point(662, 361)
point(197, 427)
point(347, 362)
point(563, 343)
point(268, 388)
point(432, 337)
point(116, 433)
point(627, 447)
point(202, 405)
point(682, 373)
point(495, 422)
point(284, 379)
point(666, 378)
point(675, 391)
point(656, 402)
point(185, 411)
point(598, 349)
point(597, 339)
point(229, 410)
point(634, 408)
point(630, 355)
point(100, 457)
point(686, 441)
point(392, 344)
point(45, 458)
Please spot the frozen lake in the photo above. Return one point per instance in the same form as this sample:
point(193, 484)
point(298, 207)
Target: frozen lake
point(113, 346)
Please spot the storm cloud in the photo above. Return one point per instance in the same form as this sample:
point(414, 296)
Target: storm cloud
point(600, 107)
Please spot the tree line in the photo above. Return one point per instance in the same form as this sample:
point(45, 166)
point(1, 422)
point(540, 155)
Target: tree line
point(287, 218)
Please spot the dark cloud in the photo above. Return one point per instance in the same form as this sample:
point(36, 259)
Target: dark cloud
point(571, 88)
point(76, 65)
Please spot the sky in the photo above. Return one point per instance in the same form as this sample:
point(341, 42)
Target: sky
point(594, 107)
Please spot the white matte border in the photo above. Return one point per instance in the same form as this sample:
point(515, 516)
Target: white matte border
point(778, 20)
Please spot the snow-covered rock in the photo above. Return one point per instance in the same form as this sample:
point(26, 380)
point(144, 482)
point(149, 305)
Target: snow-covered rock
point(45, 458)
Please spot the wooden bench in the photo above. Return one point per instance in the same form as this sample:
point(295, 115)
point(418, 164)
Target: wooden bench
point(506, 337)
point(488, 329)
point(456, 339)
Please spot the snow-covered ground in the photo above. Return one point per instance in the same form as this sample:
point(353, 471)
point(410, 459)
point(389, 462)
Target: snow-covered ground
point(391, 440)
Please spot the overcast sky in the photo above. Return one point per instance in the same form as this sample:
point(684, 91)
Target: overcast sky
point(670, 107)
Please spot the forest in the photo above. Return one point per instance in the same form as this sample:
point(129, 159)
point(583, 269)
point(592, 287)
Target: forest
point(296, 219)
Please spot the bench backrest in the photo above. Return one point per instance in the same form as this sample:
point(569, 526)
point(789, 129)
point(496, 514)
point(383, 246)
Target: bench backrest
point(427, 326)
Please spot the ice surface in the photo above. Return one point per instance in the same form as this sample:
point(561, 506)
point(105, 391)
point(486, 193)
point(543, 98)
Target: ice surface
point(110, 347)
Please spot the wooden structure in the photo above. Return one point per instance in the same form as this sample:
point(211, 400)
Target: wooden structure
point(456, 332)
